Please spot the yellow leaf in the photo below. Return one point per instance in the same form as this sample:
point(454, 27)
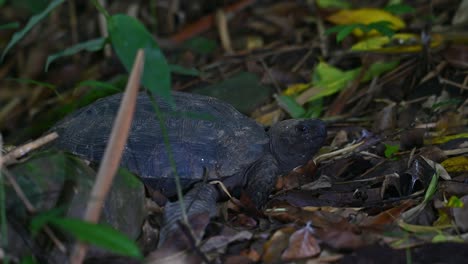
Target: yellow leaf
point(443, 220)
point(456, 164)
point(399, 43)
point(442, 140)
point(422, 229)
point(296, 88)
point(365, 16)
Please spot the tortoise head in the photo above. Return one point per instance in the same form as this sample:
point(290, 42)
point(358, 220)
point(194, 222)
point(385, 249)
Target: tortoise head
point(294, 142)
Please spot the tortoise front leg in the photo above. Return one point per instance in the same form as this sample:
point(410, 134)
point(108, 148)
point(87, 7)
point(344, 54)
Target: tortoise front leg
point(261, 179)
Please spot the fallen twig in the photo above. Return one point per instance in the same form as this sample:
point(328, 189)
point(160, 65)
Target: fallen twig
point(206, 22)
point(337, 152)
point(12, 156)
point(113, 153)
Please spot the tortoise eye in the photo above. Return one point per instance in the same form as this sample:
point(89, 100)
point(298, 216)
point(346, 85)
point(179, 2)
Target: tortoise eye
point(301, 128)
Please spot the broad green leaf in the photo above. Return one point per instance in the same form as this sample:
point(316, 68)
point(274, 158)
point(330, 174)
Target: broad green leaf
point(183, 70)
point(390, 150)
point(383, 27)
point(342, 31)
point(331, 80)
point(314, 109)
point(12, 25)
point(33, 6)
point(29, 259)
point(127, 35)
point(31, 23)
point(38, 221)
point(399, 9)
point(378, 68)
point(345, 31)
point(200, 45)
point(91, 46)
point(341, 4)
point(290, 105)
point(98, 234)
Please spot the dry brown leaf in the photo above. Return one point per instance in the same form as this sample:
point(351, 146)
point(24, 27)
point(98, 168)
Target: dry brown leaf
point(302, 244)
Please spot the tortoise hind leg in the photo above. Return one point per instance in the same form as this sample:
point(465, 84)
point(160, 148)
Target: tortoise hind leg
point(200, 204)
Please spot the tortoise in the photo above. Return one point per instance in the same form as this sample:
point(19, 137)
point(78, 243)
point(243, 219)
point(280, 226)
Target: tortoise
point(209, 140)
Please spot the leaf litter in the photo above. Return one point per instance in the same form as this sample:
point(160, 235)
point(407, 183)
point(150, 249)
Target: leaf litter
point(390, 184)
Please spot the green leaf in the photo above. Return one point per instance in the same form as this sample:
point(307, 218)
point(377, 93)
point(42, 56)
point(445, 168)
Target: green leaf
point(29, 259)
point(127, 35)
point(383, 27)
point(345, 31)
point(390, 150)
point(340, 4)
point(38, 83)
point(378, 68)
point(183, 70)
point(100, 8)
point(201, 45)
point(91, 46)
point(99, 84)
point(12, 25)
point(453, 101)
point(314, 109)
point(34, 82)
point(432, 188)
point(98, 234)
point(331, 80)
point(33, 6)
point(40, 220)
point(290, 105)
point(399, 9)
point(98, 90)
point(31, 23)
point(455, 202)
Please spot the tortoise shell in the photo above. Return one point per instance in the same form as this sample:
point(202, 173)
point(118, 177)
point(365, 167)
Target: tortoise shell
point(207, 138)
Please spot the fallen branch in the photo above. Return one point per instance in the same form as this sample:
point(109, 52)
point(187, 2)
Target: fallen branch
point(113, 153)
point(12, 156)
